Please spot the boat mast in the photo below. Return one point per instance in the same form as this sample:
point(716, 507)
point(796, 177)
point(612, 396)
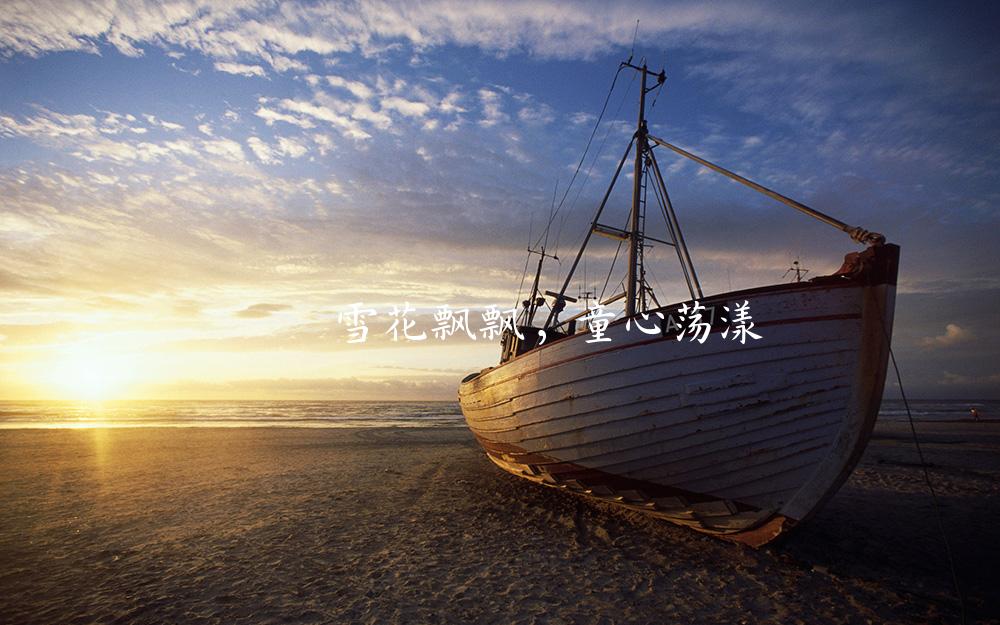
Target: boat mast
point(633, 286)
point(645, 162)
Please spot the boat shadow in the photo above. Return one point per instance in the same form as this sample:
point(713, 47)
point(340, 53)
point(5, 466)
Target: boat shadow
point(877, 535)
point(891, 536)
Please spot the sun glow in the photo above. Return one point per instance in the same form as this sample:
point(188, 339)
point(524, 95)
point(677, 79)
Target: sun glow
point(86, 373)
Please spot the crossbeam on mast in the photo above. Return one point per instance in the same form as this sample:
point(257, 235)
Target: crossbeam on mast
point(618, 234)
point(611, 232)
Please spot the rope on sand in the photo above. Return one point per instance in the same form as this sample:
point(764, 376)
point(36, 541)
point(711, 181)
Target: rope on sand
point(927, 478)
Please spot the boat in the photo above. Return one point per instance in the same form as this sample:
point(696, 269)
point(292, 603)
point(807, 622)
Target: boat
point(742, 439)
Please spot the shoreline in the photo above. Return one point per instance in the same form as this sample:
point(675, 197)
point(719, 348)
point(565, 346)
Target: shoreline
point(395, 525)
point(351, 425)
point(402, 425)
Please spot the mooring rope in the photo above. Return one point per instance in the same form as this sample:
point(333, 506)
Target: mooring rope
point(927, 477)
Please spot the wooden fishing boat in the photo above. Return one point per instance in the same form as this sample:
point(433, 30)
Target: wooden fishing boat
point(734, 438)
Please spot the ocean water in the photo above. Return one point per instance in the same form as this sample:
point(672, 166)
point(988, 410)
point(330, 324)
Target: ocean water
point(938, 409)
point(333, 414)
point(307, 414)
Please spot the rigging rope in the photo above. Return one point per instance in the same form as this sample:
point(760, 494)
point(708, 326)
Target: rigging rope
point(610, 269)
point(597, 155)
point(562, 224)
point(527, 261)
point(583, 157)
point(555, 191)
point(604, 140)
point(659, 89)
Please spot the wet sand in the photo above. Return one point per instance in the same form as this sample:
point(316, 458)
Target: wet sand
point(416, 526)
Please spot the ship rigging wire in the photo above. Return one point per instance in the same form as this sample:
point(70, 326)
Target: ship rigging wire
point(586, 149)
point(600, 150)
point(593, 162)
point(576, 172)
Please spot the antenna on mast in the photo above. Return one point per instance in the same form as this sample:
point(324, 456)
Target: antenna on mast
point(797, 269)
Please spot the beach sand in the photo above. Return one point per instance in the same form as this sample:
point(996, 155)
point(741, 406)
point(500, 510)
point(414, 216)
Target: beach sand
point(415, 526)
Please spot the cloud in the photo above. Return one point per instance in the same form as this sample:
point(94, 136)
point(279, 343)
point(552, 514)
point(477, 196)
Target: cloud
point(358, 89)
point(114, 123)
point(226, 148)
point(953, 334)
point(270, 154)
point(364, 112)
point(261, 150)
point(103, 179)
point(286, 64)
point(93, 140)
point(240, 69)
point(38, 333)
point(449, 103)
point(323, 142)
point(235, 33)
point(536, 114)
point(348, 126)
point(270, 116)
point(259, 311)
point(227, 31)
point(84, 136)
point(405, 107)
point(489, 100)
point(291, 147)
point(50, 125)
point(982, 381)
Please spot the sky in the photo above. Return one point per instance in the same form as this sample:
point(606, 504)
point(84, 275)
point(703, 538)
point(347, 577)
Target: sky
point(191, 193)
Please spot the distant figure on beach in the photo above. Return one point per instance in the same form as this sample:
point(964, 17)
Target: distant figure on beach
point(974, 413)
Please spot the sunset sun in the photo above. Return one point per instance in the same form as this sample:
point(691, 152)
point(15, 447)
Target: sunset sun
point(89, 374)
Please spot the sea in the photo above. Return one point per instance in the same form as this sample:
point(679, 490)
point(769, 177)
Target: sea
point(339, 414)
point(227, 413)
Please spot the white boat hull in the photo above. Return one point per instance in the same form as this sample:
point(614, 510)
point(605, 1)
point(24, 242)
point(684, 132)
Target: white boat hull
point(737, 440)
